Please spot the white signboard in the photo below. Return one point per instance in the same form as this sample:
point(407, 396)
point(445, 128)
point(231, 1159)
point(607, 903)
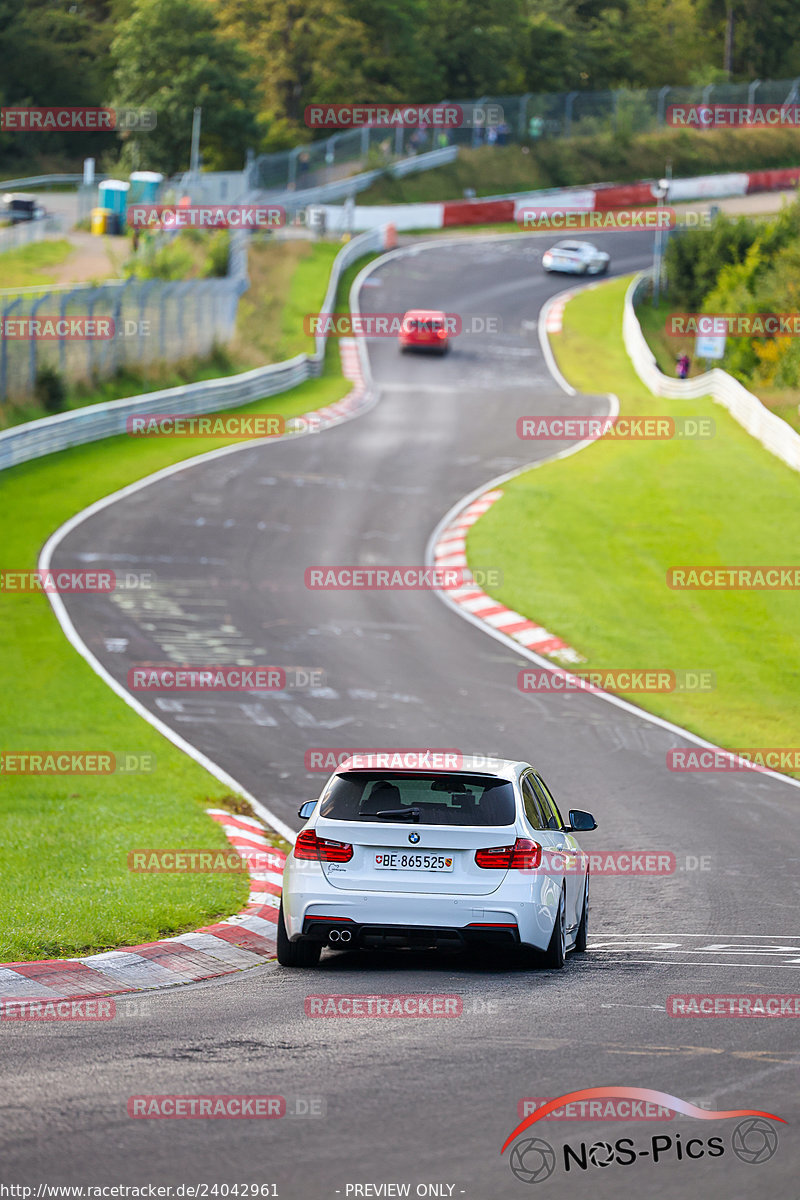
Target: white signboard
point(708, 345)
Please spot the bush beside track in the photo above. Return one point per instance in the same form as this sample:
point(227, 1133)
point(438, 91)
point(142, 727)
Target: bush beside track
point(584, 545)
point(64, 885)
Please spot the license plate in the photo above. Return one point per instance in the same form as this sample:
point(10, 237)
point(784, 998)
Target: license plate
point(403, 860)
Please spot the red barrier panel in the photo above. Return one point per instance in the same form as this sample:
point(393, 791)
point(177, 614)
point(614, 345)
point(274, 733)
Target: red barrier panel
point(631, 195)
point(773, 181)
point(478, 212)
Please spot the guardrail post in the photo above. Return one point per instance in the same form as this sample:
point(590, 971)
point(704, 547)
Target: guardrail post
point(569, 102)
point(292, 168)
point(522, 123)
point(661, 115)
point(4, 351)
point(751, 91)
point(62, 342)
point(33, 347)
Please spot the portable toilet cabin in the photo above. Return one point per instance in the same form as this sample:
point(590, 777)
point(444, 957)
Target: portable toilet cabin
point(144, 187)
point(114, 196)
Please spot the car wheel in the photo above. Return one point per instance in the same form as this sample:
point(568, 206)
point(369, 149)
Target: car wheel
point(604, 268)
point(295, 954)
point(583, 928)
point(556, 952)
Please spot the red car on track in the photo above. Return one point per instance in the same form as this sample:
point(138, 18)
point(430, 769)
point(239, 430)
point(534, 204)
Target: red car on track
point(424, 329)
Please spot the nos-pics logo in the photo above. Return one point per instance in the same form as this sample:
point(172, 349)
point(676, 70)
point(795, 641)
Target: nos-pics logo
point(754, 1139)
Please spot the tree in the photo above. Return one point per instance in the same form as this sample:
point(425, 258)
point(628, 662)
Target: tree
point(170, 56)
point(399, 63)
point(477, 45)
point(305, 52)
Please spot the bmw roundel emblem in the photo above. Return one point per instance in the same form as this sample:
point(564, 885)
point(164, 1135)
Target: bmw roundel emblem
point(413, 838)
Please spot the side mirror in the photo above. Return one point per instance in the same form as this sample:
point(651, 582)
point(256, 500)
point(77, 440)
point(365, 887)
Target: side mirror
point(580, 821)
point(305, 810)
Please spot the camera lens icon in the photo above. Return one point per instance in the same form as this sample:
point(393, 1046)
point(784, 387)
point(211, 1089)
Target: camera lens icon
point(533, 1160)
point(754, 1141)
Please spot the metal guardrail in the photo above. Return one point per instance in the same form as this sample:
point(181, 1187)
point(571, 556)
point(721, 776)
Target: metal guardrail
point(766, 427)
point(37, 438)
point(225, 187)
point(12, 185)
point(342, 189)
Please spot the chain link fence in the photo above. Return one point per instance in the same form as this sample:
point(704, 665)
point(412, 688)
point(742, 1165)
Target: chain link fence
point(128, 323)
point(500, 120)
point(26, 232)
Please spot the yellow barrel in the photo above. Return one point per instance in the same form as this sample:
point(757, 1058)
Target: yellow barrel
point(100, 218)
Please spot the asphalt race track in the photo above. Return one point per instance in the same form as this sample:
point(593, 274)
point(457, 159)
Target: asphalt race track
point(417, 1101)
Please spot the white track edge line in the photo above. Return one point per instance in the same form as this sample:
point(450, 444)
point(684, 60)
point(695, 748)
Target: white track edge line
point(72, 636)
point(523, 651)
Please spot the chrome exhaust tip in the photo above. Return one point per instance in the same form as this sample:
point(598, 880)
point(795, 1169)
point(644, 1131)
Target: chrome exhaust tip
point(345, 935)
point(333, 936)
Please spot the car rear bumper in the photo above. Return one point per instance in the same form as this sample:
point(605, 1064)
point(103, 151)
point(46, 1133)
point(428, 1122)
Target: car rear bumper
point(439, 344)
point(520, 910)
point(351, 935)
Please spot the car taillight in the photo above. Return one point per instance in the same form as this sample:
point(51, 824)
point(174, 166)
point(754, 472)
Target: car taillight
point(524, 855)
point(309, 846)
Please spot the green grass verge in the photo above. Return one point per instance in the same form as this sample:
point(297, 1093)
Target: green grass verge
point(28, 266)
point(585, 543)
point(64, 884)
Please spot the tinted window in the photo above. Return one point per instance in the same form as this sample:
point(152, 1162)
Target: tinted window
point(533, 807)
point(554, 820)
point(439, 799)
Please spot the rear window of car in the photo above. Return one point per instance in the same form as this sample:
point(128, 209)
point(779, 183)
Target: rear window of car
point(424, 325)
point(420, 799)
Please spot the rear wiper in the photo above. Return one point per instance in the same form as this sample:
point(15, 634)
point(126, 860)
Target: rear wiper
point(399, 814)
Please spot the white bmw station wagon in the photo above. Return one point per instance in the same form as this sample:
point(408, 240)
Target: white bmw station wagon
point(429, 858)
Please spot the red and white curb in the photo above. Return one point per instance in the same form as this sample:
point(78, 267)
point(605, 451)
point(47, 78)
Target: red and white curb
point(242, 941)
point(450, 550)
point(356, 399)
point(555, 312)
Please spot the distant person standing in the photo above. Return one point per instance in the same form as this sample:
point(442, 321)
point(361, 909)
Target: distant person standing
point(502, 134)
point(491, 135)
point(682, 366)
point(535, 128)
